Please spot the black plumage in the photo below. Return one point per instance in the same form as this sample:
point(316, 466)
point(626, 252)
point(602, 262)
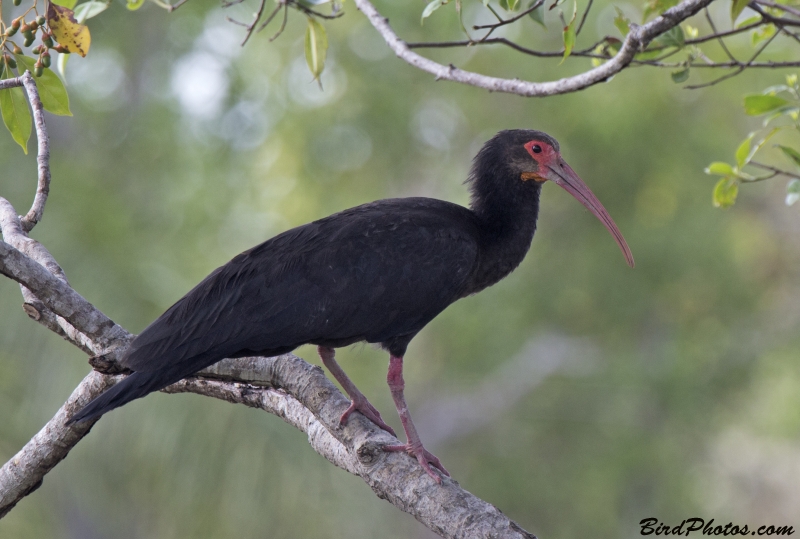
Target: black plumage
point(377, 273)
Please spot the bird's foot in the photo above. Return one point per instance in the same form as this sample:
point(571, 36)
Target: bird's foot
point(361, 404)
point(423, 456)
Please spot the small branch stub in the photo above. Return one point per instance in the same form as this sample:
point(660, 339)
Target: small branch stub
point(31, 311)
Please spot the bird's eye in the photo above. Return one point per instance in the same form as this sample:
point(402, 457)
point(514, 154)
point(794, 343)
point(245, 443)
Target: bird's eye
point(536, 148)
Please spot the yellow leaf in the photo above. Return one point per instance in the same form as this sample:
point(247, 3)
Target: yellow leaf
point(75, 37)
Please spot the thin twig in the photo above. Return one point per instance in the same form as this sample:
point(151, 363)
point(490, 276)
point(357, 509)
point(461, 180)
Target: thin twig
point(790, 34)
point(774, 169)
point(728, 65)
point(504, 22)
point(490, 41)
point(34, 215)
point(312, 13)
point(772, 19)
point(788, 9)
point(283, 23)
point(178, 4)
point(234, 21)
point(271, 16)
point(719, 39)
point(742, 67)
point(583, 19)
point(253, 24)
point(587, 53)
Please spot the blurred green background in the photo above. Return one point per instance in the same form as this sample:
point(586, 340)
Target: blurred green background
point(579, 396)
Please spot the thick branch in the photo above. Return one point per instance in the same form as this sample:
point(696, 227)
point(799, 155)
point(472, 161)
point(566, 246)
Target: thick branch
point(24, 473)
point(637, 38)
point(446, 509)
point(60, 297)
point(16, 237)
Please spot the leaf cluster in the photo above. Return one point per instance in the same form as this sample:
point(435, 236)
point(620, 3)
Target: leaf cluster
point(781, 105)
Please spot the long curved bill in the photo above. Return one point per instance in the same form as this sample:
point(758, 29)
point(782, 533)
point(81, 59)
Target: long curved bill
point(565, 177)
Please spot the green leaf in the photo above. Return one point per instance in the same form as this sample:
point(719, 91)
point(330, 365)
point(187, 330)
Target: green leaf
point(429, 9)
point(134, 5)
point(569, 33)
point(596, 62)
point(316, 47)
point(509, 5)
point(87, 10)
point(538, 15)
point(761, 33)
point(760, 144)
point(680, 76)
point(748, 21)
point(791, 153)
point(758, 104)
point(718, 168)
point(725, 192)
point(51, 90)
point(792, 192)
point(69, 4)
point(649, 55)
point(622, 22)
point(737, 6)
point(671, 38)
point(743, 151)
point(16, 114)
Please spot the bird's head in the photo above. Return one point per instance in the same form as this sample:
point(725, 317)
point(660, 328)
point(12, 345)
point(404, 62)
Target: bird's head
point(532, 158)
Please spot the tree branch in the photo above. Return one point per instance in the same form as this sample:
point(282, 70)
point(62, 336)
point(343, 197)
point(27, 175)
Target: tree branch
point(788, 9)
point(24, 473)
point(583, 19)
point(503, 22)
point(636, 39)
point(34, 215)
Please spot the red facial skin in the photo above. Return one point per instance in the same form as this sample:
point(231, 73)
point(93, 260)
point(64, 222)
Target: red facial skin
point(547, 157)
point(553, 167)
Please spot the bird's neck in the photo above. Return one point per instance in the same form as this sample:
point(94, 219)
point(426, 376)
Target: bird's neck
point(507, 220)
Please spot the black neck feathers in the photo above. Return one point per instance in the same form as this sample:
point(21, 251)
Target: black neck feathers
point(506, 207)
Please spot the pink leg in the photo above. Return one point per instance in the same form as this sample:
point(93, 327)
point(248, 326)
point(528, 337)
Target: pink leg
point(357, 399)
point(414, 445)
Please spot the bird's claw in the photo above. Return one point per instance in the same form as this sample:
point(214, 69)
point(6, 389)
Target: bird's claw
point(423, 456)
point(367, 410)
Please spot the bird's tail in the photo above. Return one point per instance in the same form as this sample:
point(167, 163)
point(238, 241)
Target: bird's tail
point(133, 387)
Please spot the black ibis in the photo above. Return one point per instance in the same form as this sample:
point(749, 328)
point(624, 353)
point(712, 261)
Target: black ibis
point(376, 273)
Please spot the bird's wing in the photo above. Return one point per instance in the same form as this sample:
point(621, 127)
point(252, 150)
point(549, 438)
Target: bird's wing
point(373, 272)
